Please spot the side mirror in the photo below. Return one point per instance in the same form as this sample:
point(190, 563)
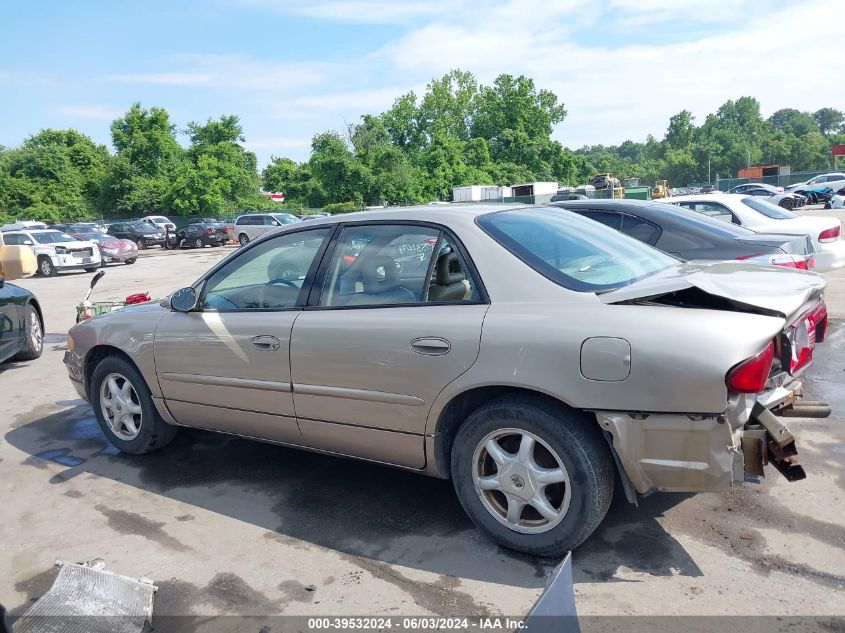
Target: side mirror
point(27, 242)
point(184, 300)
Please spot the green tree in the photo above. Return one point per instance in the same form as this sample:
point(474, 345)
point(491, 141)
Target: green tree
point(55, 175)
point(829, 120)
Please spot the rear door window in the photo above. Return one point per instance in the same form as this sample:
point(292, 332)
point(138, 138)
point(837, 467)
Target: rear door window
point(640, 229)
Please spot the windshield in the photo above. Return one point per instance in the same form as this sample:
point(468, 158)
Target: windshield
point(143, 227)
point(51, 237)
point(158, 218)
point(768, 209)
point(574, 251)
point(286, 218)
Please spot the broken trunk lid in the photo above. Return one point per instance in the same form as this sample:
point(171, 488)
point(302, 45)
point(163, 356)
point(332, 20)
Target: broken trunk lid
point(748, 287)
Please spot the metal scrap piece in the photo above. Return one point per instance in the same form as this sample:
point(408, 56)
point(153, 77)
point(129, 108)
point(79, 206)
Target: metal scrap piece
point(87, 599)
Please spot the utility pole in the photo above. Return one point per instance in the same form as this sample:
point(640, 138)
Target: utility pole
point(708, 169)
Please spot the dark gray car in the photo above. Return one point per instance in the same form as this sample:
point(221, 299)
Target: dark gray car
point(692, 236)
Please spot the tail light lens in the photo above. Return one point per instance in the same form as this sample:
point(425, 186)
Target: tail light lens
point(209, 231)
point(830, 235)
point(786, 261)
point(750, 375)
point(803, 335)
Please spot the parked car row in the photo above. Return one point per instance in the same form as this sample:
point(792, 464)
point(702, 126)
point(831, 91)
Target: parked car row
point(758, 214)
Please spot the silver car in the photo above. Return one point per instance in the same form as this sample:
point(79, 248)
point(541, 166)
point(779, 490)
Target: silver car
point(530, 354)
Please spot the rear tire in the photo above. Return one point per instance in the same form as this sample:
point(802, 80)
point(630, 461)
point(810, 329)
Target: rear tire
point(787, 204)
point(243, 239)
point(129, 262)
point(46, 267)
point(582, 481)
point(94, 269)
point(151, 432)
point(33, 337)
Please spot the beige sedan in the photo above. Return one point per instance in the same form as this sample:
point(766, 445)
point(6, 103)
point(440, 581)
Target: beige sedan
point(532, 355)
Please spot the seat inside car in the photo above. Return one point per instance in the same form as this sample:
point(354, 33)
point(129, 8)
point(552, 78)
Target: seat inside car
point(381, 283)
point(450, 282)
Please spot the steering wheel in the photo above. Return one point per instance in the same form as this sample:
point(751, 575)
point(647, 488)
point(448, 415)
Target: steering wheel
point(287, 282)
point(263, 290)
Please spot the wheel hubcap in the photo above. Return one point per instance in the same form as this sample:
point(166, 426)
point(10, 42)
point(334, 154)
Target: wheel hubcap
point(120, 406)
point(521, 481)
point(35, 334)
point(45, 267)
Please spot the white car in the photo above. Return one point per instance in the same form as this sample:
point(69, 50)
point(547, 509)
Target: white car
point(835, 181)
point(23, 224)
point(253, 225)
point(56, 251)
point(159, 221)
point(762, 216)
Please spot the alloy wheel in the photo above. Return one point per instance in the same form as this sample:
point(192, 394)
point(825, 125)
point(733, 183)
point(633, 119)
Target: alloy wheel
point(36, 335)
point(521, 480)
point(121, 406)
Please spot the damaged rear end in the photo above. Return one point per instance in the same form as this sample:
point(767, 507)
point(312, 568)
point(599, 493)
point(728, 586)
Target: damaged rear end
point(761, 389)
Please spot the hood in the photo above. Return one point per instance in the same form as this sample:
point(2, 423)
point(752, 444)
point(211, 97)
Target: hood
point(768, 290)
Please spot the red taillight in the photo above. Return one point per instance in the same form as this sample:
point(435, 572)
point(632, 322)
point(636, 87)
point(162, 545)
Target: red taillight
point(750, 375)
point(811, 263)
point(830, 235)
point(209, 231)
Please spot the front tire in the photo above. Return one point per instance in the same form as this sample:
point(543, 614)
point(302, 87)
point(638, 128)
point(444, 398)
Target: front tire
point(129, 262)
point(33, 337)
point(46, 267)
point(198, 243)
point(124, 408)
point(94, 268)
point(533, 475)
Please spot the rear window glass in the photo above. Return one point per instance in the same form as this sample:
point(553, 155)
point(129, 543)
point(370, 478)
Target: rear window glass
point(573, 251)
point(768, 209)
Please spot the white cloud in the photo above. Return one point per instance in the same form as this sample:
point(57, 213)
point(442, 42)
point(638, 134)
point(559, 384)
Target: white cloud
point(165, 79)
point(92, 112)
point(764, 58)
point(358, 11)
point(234, 72)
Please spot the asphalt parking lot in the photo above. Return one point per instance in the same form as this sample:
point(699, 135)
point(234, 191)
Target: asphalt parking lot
point(228, 526)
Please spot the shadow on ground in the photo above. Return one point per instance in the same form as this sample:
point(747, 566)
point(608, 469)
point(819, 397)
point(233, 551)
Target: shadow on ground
point(352, 507)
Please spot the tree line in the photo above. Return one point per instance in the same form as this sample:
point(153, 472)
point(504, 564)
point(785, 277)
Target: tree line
point(458, 132)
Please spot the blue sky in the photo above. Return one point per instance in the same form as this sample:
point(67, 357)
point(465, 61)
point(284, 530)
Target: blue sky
point(290, 69)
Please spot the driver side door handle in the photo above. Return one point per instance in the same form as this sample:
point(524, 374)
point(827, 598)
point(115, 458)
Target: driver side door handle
point(431, 346)
point(266, 343)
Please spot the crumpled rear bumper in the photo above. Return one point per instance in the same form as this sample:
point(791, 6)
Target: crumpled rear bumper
point(706, 453)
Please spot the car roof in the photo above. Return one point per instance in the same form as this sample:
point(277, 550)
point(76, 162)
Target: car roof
point(703, 197)
point(664, 214)
point(423, 213)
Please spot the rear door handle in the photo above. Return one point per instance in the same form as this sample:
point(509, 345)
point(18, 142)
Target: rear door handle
point(266, 343)
point(431, 346)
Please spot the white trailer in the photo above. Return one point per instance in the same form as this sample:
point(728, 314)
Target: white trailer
point(477, 193)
